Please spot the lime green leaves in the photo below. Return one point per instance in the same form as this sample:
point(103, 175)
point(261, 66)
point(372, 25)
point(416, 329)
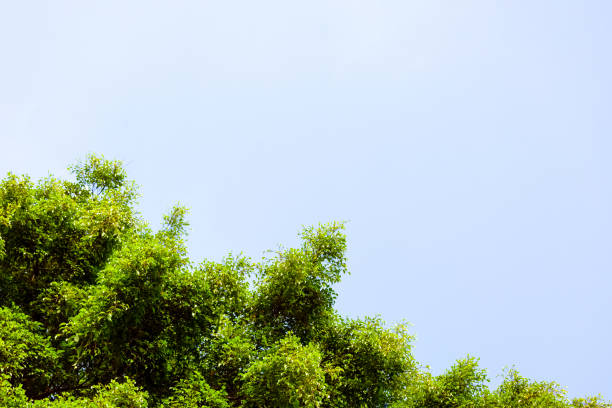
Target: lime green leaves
point(287, 375)
point(99, 175)
point(97, 310)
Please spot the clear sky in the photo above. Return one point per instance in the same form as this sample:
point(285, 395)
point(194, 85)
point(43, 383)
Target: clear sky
point(468, 144)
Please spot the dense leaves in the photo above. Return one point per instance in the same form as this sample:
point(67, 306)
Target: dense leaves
point(26, 354)
point(294, 290)
point(370, 364)
point(97, 310)
point(289, 374)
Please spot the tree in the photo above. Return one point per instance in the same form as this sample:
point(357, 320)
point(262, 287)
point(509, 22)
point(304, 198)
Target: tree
point(98, 310)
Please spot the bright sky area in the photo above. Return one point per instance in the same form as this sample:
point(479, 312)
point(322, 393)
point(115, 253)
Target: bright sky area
point(468, 145)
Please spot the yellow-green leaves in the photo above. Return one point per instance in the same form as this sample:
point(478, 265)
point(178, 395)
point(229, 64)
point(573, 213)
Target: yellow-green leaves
point(287, 375)
point(99, 175)
point(97, 310)
point(294, 291)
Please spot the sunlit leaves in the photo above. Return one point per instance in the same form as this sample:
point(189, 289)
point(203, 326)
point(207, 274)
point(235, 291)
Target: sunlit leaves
point(294, 290)
point(99, 311)
point(287, 375)
point(99, 174)
point(371, 363)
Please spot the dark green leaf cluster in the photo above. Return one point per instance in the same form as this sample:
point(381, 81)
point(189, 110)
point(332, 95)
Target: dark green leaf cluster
point(97, 310)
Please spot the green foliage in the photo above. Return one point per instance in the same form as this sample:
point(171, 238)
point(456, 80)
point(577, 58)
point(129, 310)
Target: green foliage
point(99, 175)
point(99, 311)
point(27, 357)
point(227, 355)
point(590, 402)
point(368, 363)
point(228, 283)
point(294, 290)
point(57, 231)
point(123, 394)
point(462, 386)
point(11, 396)
point(289, 374)
point(120, 394)
point(144, 318)
point(193, 392)
point(519, 392)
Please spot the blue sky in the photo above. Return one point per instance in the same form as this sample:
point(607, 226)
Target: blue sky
point(468, 144)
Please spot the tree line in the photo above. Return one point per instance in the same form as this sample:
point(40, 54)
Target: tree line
point(97, 309)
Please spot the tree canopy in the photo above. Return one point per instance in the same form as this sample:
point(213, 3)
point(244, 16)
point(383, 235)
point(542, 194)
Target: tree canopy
point(99, 310)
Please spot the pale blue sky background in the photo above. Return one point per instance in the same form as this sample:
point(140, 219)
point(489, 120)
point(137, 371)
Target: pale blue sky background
point(468, 143)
